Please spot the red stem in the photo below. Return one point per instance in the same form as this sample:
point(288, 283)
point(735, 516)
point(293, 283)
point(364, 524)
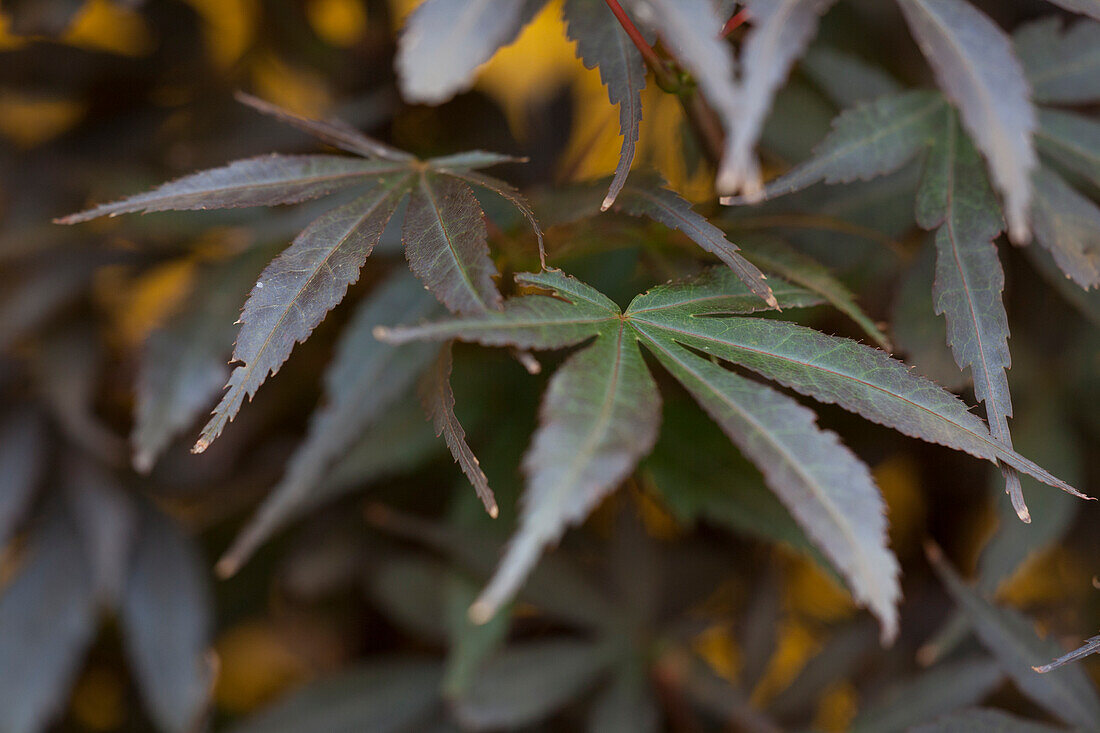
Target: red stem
point(651, 58)
point(735, 22)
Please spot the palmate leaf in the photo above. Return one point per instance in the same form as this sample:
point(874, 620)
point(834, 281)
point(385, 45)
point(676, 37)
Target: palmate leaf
point(602, 42)
point(974, 64)
point(1066, 692)
point(956, 200)
point(781, 30)
point(586, 411)
point(444, 233)
point(1062, 66)
point(444, 41)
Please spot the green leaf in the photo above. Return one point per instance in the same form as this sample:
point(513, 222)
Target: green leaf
point(1071, 140)
point(840, 371)
point(470, 644)
point(1062, 66)
point(1066, 693)
point(525, 683)
point(602, 42)
point(955, 196)
point(975, 65)
point(867, 141)
point(984, 720)
point(48, 613)
point(777, 256)
point(847, 79)
point(599, 416)
point(439, 402)
point(780, 32)
point(933, 693)
point(364, 378)
point(470, 160)
point(298, 289)
point(1067, 224)
point(626, 705)
point(165, 614)
point(717, 291)
point(182, 368)
point(445, 41)
point(388, 696)
point(262, 181)
point(507, 192)
point(827, 489)
point(445, 243)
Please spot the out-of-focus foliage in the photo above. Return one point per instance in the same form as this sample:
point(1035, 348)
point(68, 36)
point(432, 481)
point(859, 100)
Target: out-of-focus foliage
point(656, 538)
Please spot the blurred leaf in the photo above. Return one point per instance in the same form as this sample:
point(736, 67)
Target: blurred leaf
point(1062, 65)
point(940, 690)
point(847, 79)
point(975, 65)
point(1011, 638)
point(525, 683)
point(363, 380)
point(22, 463)
point(867, 141)
point(48, 613)
point(412, 593)
point(918, 333)
point(626, 705)
point(445, 41)
point(1071, 140)
point(385, 696)
point(780, 32)
point(41, 17)
point(983, 720)
point(165, 613)
point(470, 644)
point(182, 366)
point(1085, 7)
point(1067, 224)
point(106, 523)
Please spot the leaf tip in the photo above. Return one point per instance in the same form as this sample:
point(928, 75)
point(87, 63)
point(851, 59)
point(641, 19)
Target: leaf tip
point(494, 511)
point(382, 333)
point(608, 202)
point(200, 445)
point(227, 566)
point(480, 613)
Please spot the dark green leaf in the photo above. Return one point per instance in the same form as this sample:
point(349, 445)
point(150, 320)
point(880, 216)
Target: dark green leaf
point(1071, 140)
point(445, 243)
point(22, 460)
point(984, 720)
